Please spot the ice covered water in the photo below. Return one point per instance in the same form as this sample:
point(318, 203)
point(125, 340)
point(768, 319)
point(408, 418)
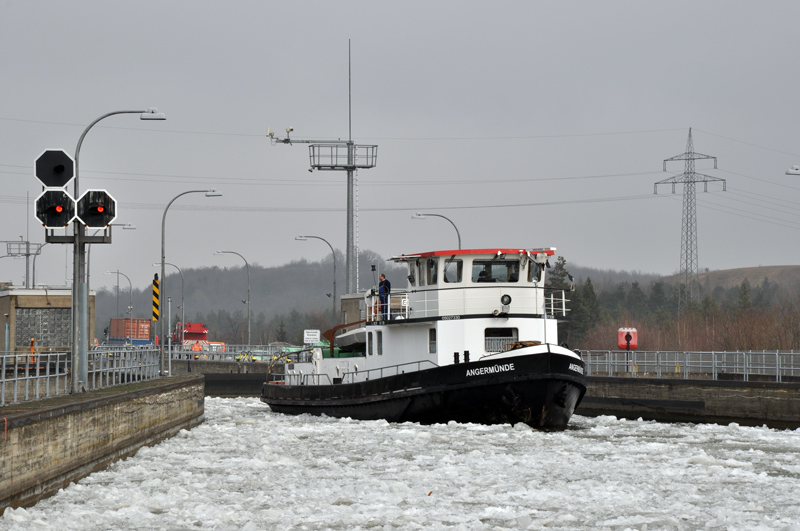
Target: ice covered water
point(247, 468)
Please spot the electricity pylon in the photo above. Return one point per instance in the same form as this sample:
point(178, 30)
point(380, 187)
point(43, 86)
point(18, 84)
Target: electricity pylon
point(689, 263)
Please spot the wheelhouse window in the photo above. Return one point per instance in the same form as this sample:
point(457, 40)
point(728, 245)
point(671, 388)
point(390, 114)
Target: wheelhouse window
point(453, 271)
point(498, 270)
point(534, 271)
point(432, 269)
point(412, 278)
point(432, 341)
point(370, 345)
point(379, 340)
point(421, 273)
point(498, 339)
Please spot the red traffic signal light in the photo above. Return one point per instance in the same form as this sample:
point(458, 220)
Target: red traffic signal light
point(55, 209)
point(54, 168)
point(97, 209)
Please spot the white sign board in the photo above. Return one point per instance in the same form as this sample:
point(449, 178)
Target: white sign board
point(310, 336)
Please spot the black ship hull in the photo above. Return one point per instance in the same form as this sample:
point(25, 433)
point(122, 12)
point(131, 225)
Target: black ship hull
point(541, 390)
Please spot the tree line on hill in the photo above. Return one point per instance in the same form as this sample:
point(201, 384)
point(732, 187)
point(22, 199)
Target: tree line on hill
point(284, 300)
point(761, 317)
point(288, 299)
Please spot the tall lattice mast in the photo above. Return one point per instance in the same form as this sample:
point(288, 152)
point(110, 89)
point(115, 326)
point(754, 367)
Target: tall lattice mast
point(689, 263)
point(340, 155)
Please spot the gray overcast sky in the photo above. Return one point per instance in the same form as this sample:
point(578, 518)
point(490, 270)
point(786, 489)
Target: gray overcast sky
point(526, 123)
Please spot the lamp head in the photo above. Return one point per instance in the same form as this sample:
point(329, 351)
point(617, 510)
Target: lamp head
point(219, 252)
point(213, 193)
point(301, 238)
point(418, 215)
point(110, 273)
point(794, 170)
point(152, 114)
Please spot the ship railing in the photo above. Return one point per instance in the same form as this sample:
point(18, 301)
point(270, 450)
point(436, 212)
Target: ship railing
point(429, 303)
point(751, 365)
point(43, 374)
point(382, 372)
point(555, 302)
point(396, 306)
point(499, 344)
point(298, 377)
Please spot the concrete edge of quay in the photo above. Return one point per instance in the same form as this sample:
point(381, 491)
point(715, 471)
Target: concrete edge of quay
point(772, 404)
point(47, 444)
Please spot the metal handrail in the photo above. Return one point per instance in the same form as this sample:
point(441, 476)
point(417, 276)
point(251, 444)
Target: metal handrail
point(772, 365)
point(498, 344)
point(380, 370)
point(36, 375)
point(555, 303)
point(350, 376)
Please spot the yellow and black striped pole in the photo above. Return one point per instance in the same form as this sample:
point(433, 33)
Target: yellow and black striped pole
point(155, 297)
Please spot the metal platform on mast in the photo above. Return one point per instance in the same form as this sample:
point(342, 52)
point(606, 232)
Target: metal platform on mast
point(336, 156)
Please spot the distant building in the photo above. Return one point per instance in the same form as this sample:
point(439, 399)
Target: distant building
point(43, 314)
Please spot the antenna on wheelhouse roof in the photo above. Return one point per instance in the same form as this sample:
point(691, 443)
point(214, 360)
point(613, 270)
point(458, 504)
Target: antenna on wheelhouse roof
point(340, 155)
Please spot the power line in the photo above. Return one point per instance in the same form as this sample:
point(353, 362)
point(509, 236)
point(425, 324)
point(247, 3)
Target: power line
point(429, 138)
point(774, 206)
point(305, 208)
point(750, 215)
point(155, 177)
point(760, 180)
point(261, 135)
point(739, 213)
point(749, 143)
point(533, 137)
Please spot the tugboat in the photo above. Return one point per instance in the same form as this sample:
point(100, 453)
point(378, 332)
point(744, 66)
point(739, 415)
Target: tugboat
point(472, 338)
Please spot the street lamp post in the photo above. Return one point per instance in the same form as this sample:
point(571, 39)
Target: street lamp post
point(80, 290)
point(34, 264)
point(6, 351)
point(130, 300)
point(209, 193)
point(248, 290)
point(333, 253)
point(420, 215)
point(183, 305)
point(125, 226)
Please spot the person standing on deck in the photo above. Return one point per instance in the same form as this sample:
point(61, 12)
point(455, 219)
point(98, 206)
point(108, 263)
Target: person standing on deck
point(384, 287)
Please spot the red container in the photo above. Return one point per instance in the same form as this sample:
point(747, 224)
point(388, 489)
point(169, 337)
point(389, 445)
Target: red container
point(627, 338)
point(194, 331)
point(129, 328)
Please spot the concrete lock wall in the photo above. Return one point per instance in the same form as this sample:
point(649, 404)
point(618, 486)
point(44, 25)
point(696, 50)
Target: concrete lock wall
point(43, 450)
point(227, 378)
point(748, 403)
point(227, 367)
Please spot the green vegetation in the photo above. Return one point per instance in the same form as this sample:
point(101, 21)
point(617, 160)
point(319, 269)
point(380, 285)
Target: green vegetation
point(285, 300)
point(736, 318)
point(288, 299)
